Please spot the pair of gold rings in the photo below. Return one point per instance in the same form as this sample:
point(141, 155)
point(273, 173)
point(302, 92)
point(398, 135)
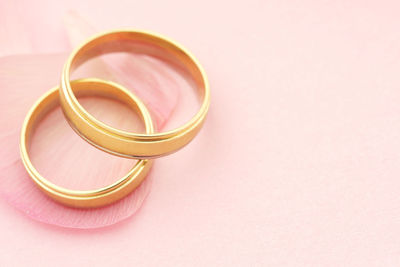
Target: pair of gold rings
point(144, 147)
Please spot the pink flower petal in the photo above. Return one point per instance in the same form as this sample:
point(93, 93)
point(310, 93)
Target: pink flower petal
point(78, 29)
point(58, 153)
point(27, 27)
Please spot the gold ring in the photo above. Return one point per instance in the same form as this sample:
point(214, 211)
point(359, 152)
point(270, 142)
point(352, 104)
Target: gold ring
point(90, 198)
point(122, 143)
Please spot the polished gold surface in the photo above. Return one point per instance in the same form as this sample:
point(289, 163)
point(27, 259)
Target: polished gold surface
point(91, 198)
point(122, 143)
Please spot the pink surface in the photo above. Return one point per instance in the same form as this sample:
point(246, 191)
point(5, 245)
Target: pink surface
point(298, 162)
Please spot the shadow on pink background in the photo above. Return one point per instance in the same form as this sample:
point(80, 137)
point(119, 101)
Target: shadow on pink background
point(298, 163)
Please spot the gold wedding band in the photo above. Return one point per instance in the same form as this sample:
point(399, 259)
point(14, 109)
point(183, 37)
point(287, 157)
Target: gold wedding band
point(90, 198)
point(122, 143)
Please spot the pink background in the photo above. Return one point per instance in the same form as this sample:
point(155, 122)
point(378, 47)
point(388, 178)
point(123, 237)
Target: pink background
point(298, 163)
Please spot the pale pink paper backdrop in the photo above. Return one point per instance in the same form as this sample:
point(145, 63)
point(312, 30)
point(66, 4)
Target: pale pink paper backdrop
point(298, 163)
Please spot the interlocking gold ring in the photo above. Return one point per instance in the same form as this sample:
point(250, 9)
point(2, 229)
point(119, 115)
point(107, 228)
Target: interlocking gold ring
point(122, 143)
point(90, 198)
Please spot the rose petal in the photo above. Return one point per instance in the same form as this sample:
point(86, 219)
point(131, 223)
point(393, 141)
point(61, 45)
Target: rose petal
point(71, 162)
